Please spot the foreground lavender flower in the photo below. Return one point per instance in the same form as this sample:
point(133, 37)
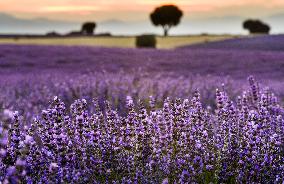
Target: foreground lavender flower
point(182, 142)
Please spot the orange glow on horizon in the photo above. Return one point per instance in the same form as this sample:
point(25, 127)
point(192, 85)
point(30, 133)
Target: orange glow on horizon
point(114, 8)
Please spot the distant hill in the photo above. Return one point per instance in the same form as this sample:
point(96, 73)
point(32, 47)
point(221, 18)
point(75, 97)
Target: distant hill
point(258, 43)
point(215, 25)
point(12, 25)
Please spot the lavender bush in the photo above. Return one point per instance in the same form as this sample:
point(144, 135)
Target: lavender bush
point(29, 96)
point(30, 93)
point(236, 142)
point(183, 133)
point(239, 64)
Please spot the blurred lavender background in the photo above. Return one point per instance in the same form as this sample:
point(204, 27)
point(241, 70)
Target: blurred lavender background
point(32, 75)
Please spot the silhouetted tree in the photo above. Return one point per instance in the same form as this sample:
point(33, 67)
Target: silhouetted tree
point(74, 33)
point(256, 26)
point(166, 16)
point(52, 34)
point(88, 28)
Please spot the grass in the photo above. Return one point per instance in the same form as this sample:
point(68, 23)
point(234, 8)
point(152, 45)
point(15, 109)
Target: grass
point(124, 42)
point(178, 41)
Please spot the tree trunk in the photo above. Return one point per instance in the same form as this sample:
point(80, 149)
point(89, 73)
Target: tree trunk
point(166, 31)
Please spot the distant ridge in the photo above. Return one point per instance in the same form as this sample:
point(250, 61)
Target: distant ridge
point(12, 25)
point(214, 25)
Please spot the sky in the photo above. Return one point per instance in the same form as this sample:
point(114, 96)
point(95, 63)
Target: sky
point(134, 10)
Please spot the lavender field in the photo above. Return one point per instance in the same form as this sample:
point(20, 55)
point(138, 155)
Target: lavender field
point(108, 115)
point(261, 43)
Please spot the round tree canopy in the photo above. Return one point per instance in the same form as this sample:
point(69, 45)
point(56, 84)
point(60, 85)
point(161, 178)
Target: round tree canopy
point(256, 26)
point(166, 15)
point(89, 27)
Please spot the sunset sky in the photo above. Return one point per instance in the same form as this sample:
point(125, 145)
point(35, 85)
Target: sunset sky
point(136, 9)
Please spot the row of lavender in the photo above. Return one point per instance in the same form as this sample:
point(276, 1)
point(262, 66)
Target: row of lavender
point(29, 94)
point(240, 141)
